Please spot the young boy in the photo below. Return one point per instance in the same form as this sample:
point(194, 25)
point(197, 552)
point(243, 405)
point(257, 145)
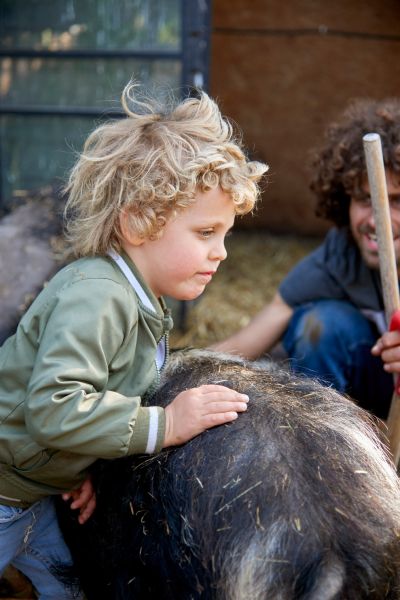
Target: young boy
point(150, 202)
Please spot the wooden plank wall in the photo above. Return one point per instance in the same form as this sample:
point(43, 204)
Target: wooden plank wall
point(284, 70)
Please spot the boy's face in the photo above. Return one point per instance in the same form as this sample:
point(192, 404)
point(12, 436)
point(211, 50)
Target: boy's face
point(182, 262)
point(362, 222)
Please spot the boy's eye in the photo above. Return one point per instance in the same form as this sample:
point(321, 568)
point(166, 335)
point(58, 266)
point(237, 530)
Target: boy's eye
point(205, 233)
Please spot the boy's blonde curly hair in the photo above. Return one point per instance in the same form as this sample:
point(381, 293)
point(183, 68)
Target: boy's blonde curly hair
point(150, 165)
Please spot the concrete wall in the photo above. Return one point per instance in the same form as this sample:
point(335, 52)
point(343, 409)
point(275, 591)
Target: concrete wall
point(285, 69)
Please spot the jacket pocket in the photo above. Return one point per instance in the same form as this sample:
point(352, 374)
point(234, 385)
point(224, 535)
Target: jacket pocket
point(31, 457)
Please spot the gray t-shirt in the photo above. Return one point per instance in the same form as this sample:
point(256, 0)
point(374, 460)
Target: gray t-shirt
point(335, 270)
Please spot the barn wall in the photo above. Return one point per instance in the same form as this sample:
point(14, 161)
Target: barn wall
point(284, 70)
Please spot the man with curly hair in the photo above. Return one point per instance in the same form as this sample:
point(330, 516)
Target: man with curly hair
point(328, 311)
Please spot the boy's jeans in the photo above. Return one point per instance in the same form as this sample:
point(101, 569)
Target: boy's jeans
point(331, 340)
point(31, 540)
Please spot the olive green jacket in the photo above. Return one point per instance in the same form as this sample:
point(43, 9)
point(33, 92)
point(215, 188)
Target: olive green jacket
point(72, 379)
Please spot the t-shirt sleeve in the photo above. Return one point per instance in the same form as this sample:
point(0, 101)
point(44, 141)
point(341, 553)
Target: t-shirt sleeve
point(317, 276)
point(334, 271)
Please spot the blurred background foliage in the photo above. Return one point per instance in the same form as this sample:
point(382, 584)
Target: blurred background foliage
point(63, 65)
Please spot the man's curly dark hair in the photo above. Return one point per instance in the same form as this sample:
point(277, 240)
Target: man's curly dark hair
point(339, 167)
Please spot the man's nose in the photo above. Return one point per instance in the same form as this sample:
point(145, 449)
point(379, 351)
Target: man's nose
point(371, 218)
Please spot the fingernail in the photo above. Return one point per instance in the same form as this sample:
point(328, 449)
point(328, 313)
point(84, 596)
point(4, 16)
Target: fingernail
point(245, 397)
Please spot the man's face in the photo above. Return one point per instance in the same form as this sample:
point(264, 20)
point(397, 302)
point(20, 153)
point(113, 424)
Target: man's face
point(362, 222)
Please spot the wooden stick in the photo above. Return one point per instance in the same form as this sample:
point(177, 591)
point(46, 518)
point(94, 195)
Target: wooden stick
point(387, 262)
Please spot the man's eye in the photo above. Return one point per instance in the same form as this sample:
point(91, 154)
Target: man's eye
point(205, 233)
point(364, 200)
point(395, 202)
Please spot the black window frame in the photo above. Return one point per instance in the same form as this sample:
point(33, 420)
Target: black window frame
point(193, 56)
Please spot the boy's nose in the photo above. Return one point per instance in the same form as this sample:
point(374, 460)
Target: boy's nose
point(219, 252)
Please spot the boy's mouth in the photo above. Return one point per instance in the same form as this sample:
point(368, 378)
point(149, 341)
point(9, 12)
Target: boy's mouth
point(206, 275)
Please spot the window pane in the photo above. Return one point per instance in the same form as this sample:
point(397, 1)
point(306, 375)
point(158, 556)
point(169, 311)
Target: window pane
point(83, 82)
point(90, 24)
point(38, 151)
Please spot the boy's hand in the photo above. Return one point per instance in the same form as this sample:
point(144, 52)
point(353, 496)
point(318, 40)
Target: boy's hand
point(84, 498)
point(198, 409)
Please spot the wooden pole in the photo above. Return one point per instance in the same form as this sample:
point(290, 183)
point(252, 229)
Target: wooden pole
point(387, 262)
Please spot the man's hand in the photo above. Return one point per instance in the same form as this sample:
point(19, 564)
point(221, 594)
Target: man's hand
point(388, 348)
point(84, 498)
point(198, 409)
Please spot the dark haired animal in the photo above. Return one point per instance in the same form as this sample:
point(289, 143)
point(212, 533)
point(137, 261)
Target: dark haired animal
point(295, 500)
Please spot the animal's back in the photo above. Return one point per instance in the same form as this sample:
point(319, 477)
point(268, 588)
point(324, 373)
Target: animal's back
point(295, 500)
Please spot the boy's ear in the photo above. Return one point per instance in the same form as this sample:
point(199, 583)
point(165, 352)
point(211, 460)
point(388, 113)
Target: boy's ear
point(129, 236)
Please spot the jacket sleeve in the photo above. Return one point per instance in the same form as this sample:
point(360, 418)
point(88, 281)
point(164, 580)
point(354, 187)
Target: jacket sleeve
point(68, 405)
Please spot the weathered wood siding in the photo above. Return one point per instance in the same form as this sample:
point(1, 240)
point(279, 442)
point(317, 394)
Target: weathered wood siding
point(285, 69)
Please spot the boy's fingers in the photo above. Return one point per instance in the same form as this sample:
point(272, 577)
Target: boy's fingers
point(213, 388)
point(224, 407)
point(87, 491)
point(74, 495)
point(225, 395)
point(78, 503)
point(87, 511)
point(83, 499)
point(219, 418)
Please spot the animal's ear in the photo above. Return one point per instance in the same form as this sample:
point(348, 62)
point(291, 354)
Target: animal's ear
point(129, 235)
